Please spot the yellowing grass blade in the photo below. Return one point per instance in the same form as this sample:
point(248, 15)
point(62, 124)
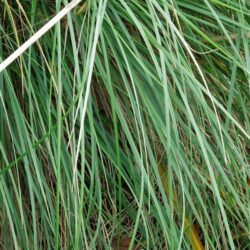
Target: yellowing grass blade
point(190, 230)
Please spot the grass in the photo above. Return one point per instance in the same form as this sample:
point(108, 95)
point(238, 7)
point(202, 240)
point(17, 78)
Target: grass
point(126, 125)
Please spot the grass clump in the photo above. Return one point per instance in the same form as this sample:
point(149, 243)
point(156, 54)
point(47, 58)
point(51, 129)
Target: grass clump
point(126, 126)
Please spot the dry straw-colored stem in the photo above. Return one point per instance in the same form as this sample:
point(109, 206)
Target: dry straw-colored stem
point(38, 34)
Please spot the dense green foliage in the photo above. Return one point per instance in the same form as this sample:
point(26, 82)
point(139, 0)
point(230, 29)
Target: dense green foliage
point(127, 121)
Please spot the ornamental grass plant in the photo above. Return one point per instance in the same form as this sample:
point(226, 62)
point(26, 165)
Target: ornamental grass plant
point(126, 125)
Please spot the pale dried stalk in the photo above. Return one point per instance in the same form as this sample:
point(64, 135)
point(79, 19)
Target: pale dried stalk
point(38, 34)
